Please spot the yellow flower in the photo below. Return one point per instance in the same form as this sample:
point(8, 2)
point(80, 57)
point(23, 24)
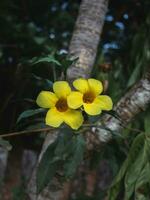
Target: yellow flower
point(59, 111)
point(88, 95)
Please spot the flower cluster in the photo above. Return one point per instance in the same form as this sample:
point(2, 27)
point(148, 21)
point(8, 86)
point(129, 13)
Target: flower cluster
point(64, 104)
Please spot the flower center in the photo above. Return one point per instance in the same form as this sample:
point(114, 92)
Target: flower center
point(88, 97)
point(61, 105)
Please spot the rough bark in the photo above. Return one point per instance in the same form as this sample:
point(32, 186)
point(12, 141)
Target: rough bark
point(83, 46)
point(12, 174)
point(48, 193)
point(86, 37)
point(132, 103)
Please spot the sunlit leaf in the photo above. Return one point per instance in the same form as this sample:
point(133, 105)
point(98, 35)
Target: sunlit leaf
point(49, 59)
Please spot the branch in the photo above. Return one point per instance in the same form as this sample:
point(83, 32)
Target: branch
point(135, 101)
point(26, 132)
point(48, 193)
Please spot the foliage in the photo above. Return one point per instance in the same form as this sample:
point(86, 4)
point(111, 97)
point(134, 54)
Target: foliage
point(42, 30)
point(29, 113)
point(134, 171)
point(18, 193)
point(49, 59)
point(67, 152)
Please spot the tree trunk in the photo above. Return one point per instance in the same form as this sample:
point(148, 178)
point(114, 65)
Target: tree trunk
point(83, 46)
point(86, 37)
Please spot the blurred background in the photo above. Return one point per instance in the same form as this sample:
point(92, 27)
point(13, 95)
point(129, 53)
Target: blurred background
point(31, 29)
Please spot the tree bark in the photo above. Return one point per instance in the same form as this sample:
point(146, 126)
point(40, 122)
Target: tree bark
point(135, 101)
point(86, 37)
point(83, 46)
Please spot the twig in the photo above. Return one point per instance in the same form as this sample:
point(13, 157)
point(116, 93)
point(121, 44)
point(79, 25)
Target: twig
point(133, 129)
point(26, 132)
point(50, 128)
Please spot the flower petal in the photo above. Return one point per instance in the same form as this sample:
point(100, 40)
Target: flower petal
point(93, 108)
point(61, 89)
point(73, 118)
point(95, 86)
point(54, 118)
point(46, 99)
point(105, 102)
point(75, 99)
point(81, 85)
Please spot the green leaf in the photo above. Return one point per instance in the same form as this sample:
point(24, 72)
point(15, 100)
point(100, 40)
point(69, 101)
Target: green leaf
point(47, 167)
point(142, 186)
point(144, 177)
point(147, 147)
point(39, 40)
point(53, 158)
point(73, 161)
point(141, 151)
point(136, 162)
point(5, 144)
point(142, 197)
point(147, 124)
point(65, 61)
point(64, 144)
point(132, 175)
point(36, 126)
point(29, 113)
point(18, 192)
point(67, 149)
point(136, 147)
point(45, 83)
point(135, 74)
point(49, 59)
point(115, 188)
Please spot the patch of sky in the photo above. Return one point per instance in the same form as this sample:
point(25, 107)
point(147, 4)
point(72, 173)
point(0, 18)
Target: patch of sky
point(126, 16)
point(109, 18)
point(120, 25)
point(64, 5)
point(51, 35)
point(53, 8)
point(65, 34)
point(39, 29)
point(10, 59)
point(112, 45)
point(62, 51)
